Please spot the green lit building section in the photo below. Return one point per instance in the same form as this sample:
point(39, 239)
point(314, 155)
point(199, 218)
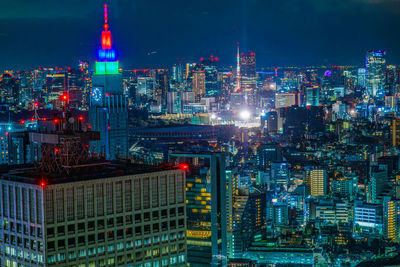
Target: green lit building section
point(107, 67)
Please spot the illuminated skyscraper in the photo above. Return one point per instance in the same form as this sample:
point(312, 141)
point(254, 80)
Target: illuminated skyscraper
point(145, 87)
point(361, 77)
point(9, 87)
point(87, 83)
point(390, 81)
point(206, 206)
point(248, 222)
point(312, 96)
point(280, 173)
point(199, 84)
point(375, 69)
point(376, 184)
point(6, 131)
point(120, 216)
point(211, 76)
point(174, 105)
point(248, 77)
point(108, 105)
point(237, 85)
point(318, 181)
point(395, 132)
point(162, 88)
point(56, 84)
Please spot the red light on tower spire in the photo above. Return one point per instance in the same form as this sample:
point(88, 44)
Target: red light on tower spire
point(106, 34)
point(105, 17)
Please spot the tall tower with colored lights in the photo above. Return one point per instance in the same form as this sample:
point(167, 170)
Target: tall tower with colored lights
point(108, 105)
point(237, 85)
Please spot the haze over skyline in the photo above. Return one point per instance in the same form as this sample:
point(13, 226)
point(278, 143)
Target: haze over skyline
point(155, 33)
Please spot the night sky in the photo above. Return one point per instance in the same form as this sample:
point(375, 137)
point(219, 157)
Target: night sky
point(281, 32)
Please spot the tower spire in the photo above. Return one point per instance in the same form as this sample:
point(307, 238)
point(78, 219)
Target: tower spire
point(237, 86)
point(105, 18)
point(35, 116)
point(107, 63)
point(106, 34)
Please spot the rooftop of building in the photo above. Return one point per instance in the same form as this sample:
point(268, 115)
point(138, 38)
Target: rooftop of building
point(90, 171)
point(265, 247)
point(386, 261)
point(175, 129)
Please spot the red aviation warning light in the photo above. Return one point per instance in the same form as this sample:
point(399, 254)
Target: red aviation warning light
point(183, 166)
point(42, 182)
point(64, 97)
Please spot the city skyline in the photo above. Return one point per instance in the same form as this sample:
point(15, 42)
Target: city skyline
point(291, 33)
point(115, 153)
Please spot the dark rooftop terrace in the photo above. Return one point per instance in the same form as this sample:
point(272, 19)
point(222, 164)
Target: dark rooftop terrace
point(91, 171)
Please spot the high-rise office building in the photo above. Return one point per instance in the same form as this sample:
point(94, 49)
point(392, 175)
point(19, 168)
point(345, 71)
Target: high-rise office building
point(395, 132)
point(390, 81)
point(206, 206)
point(271, 126)
point(368, 216)
point(283, 100)
point(55, 86)
point(9, 88)
point(86, 76)
point(375, 71)
point(178, 75)
point(146, 87)
point(162, 88)
point(390, 209)
point(248, 77)
point(295, 120)
point(121, 217)
point(280, 214)
point(312, 96)
point(280, 173)
point(6, 130)
point(266, 154)
point(26, 88)
point(211, 77)
point(318, 182)
point(248, 222)
point(76, 210)
point(108, 105)
point(199, 83)
point(343, 187)
point(361, 77)
point(376, 184)
point(174, 104)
